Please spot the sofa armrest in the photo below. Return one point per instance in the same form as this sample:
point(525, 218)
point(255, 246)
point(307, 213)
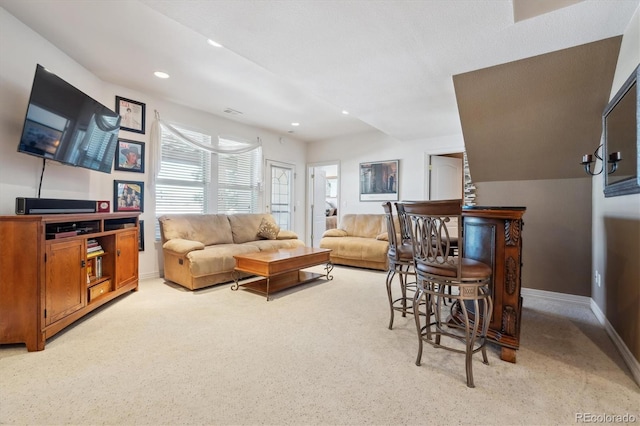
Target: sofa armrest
point(335, 233)
point(181, 246)
point(384, 236)
point(286, 235)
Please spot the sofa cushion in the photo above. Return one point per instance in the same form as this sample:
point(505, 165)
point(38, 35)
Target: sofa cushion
point(357, 248)
point(268, 229)
point(364, 225)
point(244, 226)
point(217, 259)
point(273, 245)
point(207, 228)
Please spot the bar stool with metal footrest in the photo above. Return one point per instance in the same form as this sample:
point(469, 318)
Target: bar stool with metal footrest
point(438, 268)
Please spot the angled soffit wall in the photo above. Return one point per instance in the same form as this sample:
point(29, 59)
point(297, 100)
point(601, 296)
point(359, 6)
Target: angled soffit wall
point(535, 118)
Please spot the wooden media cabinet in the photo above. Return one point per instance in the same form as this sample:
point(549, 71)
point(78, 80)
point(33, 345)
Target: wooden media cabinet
point(51, 274)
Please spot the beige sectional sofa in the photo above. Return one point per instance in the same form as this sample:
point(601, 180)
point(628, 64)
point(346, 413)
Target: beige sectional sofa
point(198, 249)
point(361, 240)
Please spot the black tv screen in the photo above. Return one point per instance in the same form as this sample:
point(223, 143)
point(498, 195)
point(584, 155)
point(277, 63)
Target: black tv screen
point(66, 125)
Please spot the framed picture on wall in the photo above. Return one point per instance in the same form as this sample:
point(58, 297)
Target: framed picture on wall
point(132, 113)
point(379, 181)
point(128, 196)
point(129, 156)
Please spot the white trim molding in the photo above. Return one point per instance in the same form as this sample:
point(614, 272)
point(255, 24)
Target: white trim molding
point(559, 297)
point(631, 362)
point(627, 356)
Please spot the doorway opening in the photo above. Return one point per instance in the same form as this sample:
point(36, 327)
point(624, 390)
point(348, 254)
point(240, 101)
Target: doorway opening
point(444, 176)
point(323, 200)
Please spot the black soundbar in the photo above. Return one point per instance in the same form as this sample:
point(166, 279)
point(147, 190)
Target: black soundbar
point(53, 206)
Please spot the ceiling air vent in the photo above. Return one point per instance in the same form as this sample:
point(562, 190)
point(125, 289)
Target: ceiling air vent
point(232, 111)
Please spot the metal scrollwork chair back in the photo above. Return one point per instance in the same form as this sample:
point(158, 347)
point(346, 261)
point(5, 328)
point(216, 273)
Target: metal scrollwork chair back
point(440, 264)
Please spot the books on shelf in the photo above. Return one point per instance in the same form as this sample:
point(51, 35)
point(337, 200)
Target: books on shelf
point(94, 248)
point(94, 267)
point(99, 267)
point(95, 253)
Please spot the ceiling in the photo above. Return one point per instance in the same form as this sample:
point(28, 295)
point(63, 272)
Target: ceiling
point(390, 64)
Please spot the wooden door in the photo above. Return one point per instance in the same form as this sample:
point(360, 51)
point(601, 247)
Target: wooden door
point(445, 178)
point(126, 268)
point(66, 279)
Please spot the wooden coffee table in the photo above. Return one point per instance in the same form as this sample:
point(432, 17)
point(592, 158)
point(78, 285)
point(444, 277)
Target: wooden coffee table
point(281, 269)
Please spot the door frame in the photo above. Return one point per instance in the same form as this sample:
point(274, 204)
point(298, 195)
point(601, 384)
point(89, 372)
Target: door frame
point(426, 168)
point(308, 210)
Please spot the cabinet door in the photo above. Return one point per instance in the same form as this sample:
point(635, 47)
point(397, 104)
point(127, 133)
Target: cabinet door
point(126, 258)
point(66, 280)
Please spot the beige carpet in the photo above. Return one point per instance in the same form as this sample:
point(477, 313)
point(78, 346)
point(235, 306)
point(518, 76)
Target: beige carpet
point(317, 354)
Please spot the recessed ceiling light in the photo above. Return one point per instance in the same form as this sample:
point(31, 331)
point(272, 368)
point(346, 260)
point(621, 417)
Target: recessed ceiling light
point(161, 74)
point(295, 124)
point(345, 112)
point(213, 43)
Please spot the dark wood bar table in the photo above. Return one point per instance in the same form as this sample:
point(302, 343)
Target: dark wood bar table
point(493, 235)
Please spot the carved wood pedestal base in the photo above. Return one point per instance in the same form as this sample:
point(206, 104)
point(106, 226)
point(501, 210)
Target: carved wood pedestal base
point(493, 235)
point(508, 354)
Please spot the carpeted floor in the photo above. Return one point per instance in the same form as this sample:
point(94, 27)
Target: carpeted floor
point(317, 354)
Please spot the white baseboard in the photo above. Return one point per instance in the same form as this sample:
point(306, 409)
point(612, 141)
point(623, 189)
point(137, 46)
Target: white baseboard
point(149, 275)
point(559, 297)
point(627, 356)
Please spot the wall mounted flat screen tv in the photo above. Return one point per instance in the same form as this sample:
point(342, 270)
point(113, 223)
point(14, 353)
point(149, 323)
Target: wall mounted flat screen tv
point(66, 125)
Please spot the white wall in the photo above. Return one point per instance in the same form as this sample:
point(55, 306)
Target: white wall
point(352, 150)
point(20, 50)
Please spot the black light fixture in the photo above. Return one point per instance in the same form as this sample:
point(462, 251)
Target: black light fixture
point(588, 160)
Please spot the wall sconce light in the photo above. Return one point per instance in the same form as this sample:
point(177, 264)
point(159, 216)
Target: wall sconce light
point(588, 160)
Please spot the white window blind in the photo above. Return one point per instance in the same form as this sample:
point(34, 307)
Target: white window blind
point(239, 180)
point(187, 182)
point(184, 177)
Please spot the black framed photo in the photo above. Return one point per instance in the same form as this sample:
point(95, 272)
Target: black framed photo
point(132, 113)
point(141, 235)
point(128, 196)
point(129, 156)
point(379, 181)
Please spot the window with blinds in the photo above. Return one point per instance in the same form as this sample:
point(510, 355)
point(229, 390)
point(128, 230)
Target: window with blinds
point(187, 182)
point(184, 178)
point(239, 180)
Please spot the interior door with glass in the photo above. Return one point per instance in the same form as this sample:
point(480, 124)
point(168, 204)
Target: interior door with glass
point(280, 193)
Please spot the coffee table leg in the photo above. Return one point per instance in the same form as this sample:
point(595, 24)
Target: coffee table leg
point(235, 284)
point(329, 267)
point(268, 288)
